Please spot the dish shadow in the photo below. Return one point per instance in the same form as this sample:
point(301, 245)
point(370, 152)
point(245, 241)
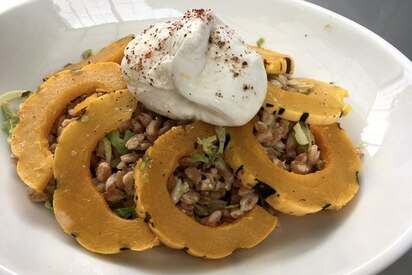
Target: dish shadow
point(292, 237)
point(37, 216)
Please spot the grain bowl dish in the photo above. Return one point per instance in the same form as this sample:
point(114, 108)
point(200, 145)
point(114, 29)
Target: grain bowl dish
point(181, 135)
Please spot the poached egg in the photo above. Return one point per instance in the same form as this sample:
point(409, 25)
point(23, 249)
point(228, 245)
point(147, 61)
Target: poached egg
point(196, 68)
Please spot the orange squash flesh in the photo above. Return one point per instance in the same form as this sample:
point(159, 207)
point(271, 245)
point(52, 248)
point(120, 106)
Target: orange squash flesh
point(174, 228)
point(79, 208)
point(29, 141)
point(275, 63)
point(330, 188)
point(113, 52)
point(323, 105)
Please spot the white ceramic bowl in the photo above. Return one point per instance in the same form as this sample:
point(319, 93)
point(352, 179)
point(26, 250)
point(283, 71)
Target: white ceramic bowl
point(364, 237)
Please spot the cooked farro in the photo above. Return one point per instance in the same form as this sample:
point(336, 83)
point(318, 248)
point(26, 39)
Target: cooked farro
point(112, 171)
point(209, 192)
point(278, 139)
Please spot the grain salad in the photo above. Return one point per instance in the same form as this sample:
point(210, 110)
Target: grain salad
point(184, 135)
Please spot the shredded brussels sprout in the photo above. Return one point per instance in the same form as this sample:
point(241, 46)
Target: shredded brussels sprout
point(13, 95)
point(10, 114)
point(107, 149)
point(126, 212)
point(200, 157)
point(211, 150)
point(221, 136)
point(303, 135)
point(179, 189)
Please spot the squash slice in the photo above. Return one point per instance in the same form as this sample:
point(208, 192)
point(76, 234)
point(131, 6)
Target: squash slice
point(38, 113)
point(323, 105)
point(330, 188)
point(174, 228)
point(275, 63)
point(79, 208)
point(113, 52)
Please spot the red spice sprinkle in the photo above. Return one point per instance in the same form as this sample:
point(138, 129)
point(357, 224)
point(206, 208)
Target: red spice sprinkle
point(235, 59)
point(158, 45)
point(148, 55)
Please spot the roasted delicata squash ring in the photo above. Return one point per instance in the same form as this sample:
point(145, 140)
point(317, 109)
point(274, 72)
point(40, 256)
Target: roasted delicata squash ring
point(79, 208)
point(113, 52)
point(174, 228)
point(330, 188)
point(321, 106)
point(275, 63)
point(29, 141)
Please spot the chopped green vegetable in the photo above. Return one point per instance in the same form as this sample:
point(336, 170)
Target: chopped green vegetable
point(208, 144)
point(231, 206)
point(107, 149)
point(128, 135)
point(211, 150)
point(303, 135)
point(119, 143)
point(10, 115)
point(10, 119)
point(260, 42)
point(221, 136)
point(13, 95)
point(200, 157)
point(87, 53)
point(179, 189)
point(126, 212)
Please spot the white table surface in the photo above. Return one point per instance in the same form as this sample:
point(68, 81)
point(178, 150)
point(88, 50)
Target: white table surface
point(389, 19)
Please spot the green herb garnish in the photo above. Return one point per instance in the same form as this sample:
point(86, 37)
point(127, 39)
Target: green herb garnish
point(126, 212)
point(212, 147)
point(118, 142)
point(260, 42)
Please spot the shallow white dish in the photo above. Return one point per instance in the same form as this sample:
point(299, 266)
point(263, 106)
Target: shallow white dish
point(367, 235)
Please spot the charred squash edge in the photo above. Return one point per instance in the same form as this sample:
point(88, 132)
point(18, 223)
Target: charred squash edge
point(174, 228)
point(38, 113)
point(333, 186)
point(79, 208)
